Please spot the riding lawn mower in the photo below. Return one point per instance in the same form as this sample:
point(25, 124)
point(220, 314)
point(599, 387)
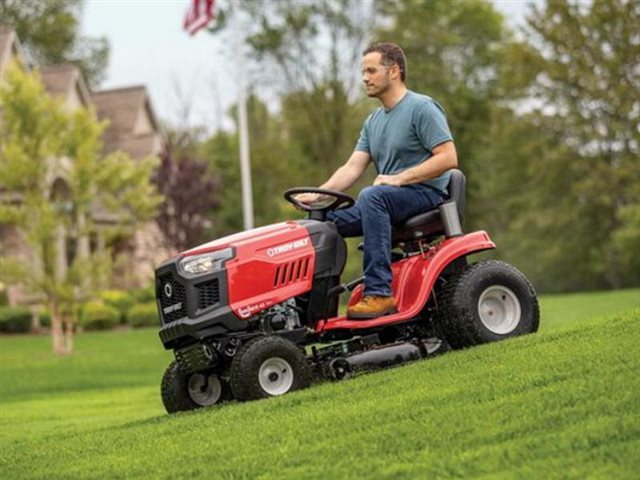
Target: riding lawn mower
point(255, 314)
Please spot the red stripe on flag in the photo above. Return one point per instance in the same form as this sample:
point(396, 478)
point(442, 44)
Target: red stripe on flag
point(199, 14)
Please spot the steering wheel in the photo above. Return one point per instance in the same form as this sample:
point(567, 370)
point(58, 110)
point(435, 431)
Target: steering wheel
point(335, 201)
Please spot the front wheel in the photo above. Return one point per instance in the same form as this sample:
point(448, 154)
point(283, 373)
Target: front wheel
point(182, 392)
point(268, 366)
point(488, 301)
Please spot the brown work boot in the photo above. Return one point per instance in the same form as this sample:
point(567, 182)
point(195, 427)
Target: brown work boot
point(371, 306)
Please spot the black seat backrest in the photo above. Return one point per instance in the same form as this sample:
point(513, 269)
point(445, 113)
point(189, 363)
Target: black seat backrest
point(429, 224)
point(457, 190)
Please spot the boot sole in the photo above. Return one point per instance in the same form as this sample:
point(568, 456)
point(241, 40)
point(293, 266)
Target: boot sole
point(371, 316)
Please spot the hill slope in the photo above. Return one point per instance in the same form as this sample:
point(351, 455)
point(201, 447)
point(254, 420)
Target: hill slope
point(563, 404)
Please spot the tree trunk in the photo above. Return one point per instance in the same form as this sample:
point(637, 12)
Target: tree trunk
point(68, 334)
point(57, 333)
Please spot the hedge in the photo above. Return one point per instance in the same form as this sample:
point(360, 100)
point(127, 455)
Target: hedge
point(15, 320)
point(144, 315)
point(121, 300)
point(45, 318)
point(144, 295)
point(98, 316)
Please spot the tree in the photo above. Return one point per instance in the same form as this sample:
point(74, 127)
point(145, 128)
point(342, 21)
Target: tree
point(310, 51)
point(50, 31)
point(579, 210)
point(52, 167)
point(191, 193)
point(276, 165)
point(589, 61)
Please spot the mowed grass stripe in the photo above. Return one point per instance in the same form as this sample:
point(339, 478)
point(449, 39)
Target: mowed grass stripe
point(563, 404)
point(129, 359)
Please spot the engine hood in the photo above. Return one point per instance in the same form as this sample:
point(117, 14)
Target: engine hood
point(240, 241)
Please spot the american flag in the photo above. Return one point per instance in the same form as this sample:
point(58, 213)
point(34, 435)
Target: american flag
point(200, 13)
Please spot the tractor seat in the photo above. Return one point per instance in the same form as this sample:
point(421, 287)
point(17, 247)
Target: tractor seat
point(429, 223)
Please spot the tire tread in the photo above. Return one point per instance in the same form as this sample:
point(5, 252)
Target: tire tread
point(173, 390)
point(457, 313)
point(243, 374)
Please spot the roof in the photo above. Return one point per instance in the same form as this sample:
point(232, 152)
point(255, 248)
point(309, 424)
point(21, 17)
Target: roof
point(60, 80)
point(122, 107)
point(139, 146)
point(133, 125)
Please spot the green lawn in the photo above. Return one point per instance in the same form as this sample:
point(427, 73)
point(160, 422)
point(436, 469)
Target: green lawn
point(564, 403)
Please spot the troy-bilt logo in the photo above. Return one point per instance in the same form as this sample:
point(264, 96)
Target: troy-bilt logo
point(287, 247)
point(172, 308)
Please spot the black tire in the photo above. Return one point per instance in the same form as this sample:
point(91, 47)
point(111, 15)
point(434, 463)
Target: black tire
point(280, 363)
point(485, 302)
point(177, 396)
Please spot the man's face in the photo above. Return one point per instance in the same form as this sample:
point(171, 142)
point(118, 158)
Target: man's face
point(375, 76)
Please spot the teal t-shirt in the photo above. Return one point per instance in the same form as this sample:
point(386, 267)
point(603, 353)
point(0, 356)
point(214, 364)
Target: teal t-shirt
point(405, 136)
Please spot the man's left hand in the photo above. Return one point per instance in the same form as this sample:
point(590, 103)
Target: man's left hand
point(393, 180)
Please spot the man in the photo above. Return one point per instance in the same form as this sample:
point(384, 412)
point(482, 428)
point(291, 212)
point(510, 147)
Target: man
point(410, 144)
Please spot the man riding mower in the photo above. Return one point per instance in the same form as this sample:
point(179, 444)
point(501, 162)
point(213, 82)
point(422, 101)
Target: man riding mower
point(255, 314)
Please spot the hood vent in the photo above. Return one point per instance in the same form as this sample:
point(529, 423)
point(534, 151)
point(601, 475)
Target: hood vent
point(291, 272)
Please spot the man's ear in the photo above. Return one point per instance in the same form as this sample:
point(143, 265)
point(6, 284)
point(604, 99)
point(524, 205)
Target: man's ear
point(396, 70)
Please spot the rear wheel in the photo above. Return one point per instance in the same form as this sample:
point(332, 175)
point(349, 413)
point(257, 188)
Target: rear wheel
point(266, 367)
point(182, 392)
point(488, 301)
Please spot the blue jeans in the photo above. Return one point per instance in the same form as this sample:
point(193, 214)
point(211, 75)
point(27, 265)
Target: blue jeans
point(375, 211)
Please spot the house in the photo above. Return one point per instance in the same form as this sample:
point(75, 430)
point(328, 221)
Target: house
point(132, 128)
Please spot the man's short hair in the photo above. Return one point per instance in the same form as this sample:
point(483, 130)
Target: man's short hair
point(391, 54)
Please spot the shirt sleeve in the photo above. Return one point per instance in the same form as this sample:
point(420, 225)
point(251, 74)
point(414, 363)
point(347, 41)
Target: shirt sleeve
point(431, 125)
point(363, 141)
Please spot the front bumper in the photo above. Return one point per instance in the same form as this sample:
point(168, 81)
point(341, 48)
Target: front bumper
point(193, 308)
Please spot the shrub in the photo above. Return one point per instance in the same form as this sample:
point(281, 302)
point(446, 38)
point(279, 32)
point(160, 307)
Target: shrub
point(45, 318)
point(144, 295)
point(121, 300)
point(144, 315)
point(98, 316)
point(4, 298)
point(15, 319)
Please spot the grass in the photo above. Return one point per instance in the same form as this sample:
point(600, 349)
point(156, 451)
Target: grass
point(558, 311)
point(564, 403)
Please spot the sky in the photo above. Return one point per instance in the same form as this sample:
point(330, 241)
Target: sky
point(149, 47)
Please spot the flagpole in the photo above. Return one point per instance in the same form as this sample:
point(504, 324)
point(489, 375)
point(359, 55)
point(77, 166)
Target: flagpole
point(198, 16)
point(243, 129)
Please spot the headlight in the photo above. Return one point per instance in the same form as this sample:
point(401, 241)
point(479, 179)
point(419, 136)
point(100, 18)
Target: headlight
point(205, 263)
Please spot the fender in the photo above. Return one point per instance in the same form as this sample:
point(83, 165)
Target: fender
point(413, 280)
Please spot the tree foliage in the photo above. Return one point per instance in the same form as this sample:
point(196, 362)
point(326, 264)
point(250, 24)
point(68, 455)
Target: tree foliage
point(311, 49)
point(191, 192)
point(50, 31)
point(545, 122)
point(54, 179)
point(578, 211)
point(276, 164)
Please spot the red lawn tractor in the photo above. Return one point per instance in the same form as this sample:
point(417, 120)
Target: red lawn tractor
point(255, 314)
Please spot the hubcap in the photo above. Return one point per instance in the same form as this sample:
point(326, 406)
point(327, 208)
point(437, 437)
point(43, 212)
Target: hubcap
point(204, 390)
point(275, 376)
point(499, 309)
